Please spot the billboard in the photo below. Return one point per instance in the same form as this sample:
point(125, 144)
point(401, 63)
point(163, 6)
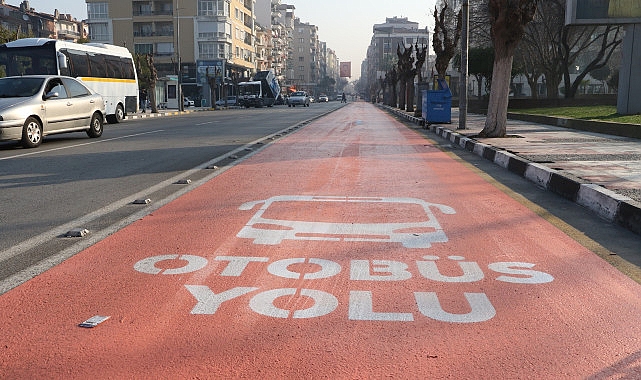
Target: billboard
point(346, 69)
point(214, 68)
point(603, 12)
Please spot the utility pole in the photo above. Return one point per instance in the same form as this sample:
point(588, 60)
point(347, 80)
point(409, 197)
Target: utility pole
point(462, 119)
point(181, 104)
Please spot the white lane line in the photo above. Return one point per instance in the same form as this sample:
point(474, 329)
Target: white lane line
point(79, 145)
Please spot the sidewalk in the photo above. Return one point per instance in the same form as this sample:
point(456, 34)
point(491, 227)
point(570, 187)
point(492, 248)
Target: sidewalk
point(598, 171)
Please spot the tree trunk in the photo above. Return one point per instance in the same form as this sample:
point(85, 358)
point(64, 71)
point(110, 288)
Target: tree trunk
point(410, 95)
point(496, 120)
point(393, 95)
point(152, 98)
point(401, 93)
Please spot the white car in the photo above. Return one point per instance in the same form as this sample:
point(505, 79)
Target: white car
point(298, 98)
point(34, 106)
point(188, 102)
point(231, 101)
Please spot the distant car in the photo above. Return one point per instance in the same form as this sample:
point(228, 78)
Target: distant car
point(298, 98)
point(231, 101)
point(188, 102)
point(34, 106)
point(323, 98)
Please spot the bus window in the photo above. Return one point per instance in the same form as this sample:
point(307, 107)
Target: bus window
point(97, 65)
point(113, 67)
point(79, 63)
point(127, 68)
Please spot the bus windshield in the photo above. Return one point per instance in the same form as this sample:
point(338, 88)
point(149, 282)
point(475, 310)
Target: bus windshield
point(28, 61)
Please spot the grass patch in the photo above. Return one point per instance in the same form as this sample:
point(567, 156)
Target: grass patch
point(601, 113)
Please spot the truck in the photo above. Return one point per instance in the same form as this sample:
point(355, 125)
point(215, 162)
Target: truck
point(262, 90)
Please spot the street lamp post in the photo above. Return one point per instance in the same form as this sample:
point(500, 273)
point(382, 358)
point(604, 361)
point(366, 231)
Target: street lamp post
point(462, 121)
point(181, 104)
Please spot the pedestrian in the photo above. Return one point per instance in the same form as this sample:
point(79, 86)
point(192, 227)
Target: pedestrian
point(343, 98)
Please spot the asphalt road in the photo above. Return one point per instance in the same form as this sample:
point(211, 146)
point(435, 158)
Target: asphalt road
point(73, 183)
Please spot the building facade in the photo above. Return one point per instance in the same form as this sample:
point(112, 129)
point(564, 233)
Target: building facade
point(198, 42)
point(382, 52)
point(209, 46)
point(26, 21)
point(306, 56)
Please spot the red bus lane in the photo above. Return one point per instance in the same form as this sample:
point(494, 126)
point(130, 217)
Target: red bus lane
point(350, 249)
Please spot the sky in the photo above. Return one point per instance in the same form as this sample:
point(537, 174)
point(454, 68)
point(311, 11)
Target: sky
point(346, 25)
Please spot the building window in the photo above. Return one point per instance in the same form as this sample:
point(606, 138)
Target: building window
point(99, 31)
point(206, 8)
point(222, 51)
point(301, 68)
point(97, 11)
point(165, 49)
point(144, 48)
point(301, 59)
point(207, 50)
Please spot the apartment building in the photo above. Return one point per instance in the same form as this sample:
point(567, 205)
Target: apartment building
point(189, 39)
point(29, 22)
point(209, 46)
point(386, 38)
point(305, 52)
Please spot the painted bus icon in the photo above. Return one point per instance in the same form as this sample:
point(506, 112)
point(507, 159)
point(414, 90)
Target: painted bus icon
point(408, 221)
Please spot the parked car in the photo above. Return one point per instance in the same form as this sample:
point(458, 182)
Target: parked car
point(231, 101)
point(35, 106)
point(188, 102)
point(298, 98)
point(322, 98)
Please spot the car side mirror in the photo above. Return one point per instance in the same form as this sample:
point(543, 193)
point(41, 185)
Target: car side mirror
point(51, 94)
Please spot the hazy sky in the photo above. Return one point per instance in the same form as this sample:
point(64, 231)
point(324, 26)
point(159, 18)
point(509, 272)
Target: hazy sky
point(346, 25)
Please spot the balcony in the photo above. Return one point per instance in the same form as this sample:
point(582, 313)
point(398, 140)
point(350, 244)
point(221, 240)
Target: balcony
point(215, 37)
point(68, 34)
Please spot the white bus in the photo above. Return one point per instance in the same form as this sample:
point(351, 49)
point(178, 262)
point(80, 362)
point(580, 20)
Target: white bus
point(106, 69)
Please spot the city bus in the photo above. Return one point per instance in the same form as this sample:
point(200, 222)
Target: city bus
point(106, 69)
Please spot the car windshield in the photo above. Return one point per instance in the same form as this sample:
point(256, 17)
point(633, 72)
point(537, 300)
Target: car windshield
point(298, 93)
point(19, 87)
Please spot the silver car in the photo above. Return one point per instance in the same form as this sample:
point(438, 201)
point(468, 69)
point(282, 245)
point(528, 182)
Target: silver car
point(298, 98)
point(35, 106)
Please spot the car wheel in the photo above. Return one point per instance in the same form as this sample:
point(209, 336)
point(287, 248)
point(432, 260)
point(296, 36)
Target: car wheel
point(96, 127)
point(31, 133)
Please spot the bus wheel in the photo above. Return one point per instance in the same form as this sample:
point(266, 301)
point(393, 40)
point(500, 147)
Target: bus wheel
point(118, 116)
point(95, 128)
point(31, 133)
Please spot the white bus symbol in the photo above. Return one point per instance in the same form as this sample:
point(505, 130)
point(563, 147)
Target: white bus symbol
point(408, 221)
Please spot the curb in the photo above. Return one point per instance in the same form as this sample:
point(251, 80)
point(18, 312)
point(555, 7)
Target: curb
point(605, 203)
point(157, 114)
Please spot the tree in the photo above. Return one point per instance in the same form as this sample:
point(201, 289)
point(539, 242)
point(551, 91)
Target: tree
point(508, 19)
point(553, 49)
point(7, 35)
point(481, 64)
point(446, 37)
point(147, 77)
point(599, 41)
